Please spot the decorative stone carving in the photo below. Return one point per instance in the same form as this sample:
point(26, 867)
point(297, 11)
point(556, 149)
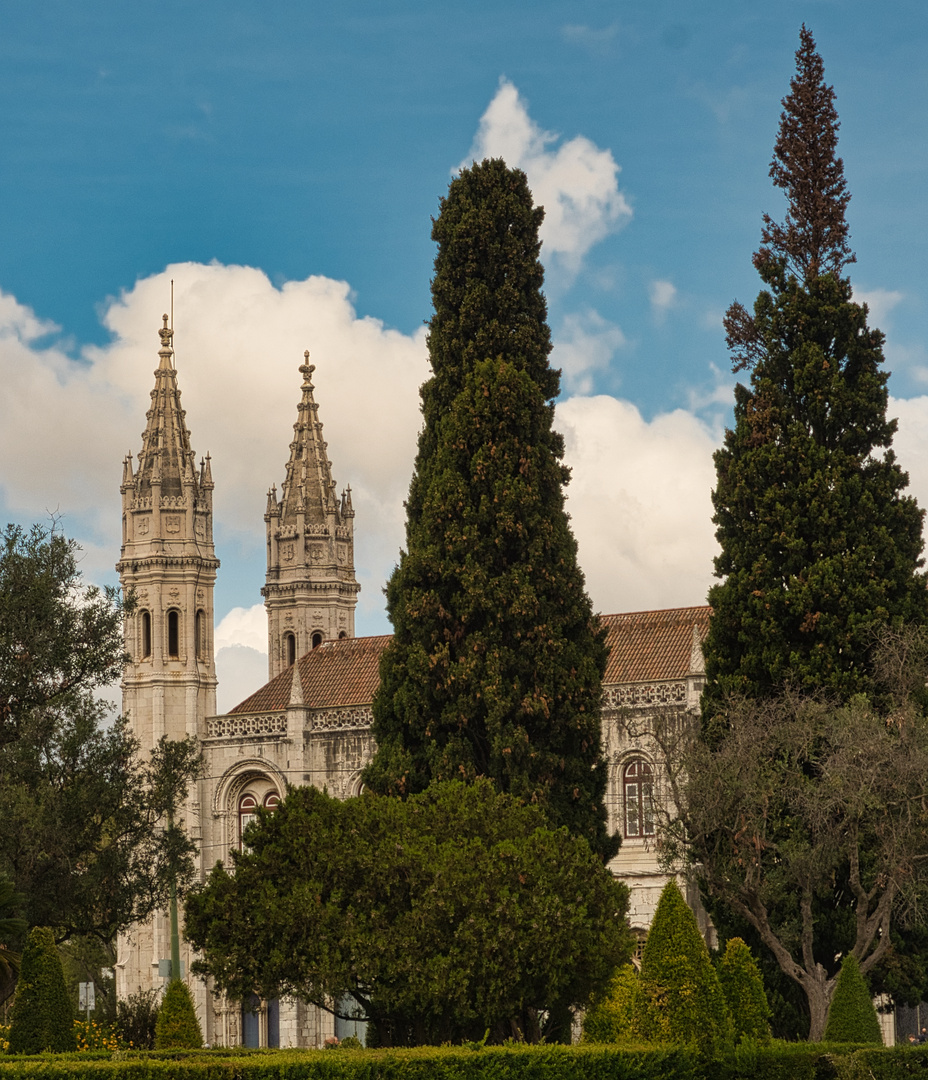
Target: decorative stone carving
point(172, 525)
point(238, 727)
point(638, 695)
point(345, 718)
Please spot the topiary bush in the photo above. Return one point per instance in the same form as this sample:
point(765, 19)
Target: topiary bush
point(743, 987)
point(851, 1015)
point(609, 1018)
point(177, 1027)
point(42, 1017)
point(680, 999)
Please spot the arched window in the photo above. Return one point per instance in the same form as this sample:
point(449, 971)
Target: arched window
point(247, 813)
point(173, 634)
point(290, 648)
point(341, 634)
point(638, 792)
point(317, 639)
point(271, 800)
point(146, 635)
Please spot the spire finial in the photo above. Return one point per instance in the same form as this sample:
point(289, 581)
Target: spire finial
point(306, 370)
point(166, 334)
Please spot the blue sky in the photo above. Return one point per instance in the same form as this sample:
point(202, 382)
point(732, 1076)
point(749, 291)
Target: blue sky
point(282, 160)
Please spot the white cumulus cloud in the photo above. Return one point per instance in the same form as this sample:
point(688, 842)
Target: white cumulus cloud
point(576, 182)
point(663, 296)
point(584, 345)
point(639, 501)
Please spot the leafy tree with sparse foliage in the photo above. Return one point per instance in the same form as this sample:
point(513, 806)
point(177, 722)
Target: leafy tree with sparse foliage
point(441, 916)
point(81, 809)
point(852, 1017)
point(679, 998)
point(496, 660)
point(42, 1017)
point(177, 1027)
point(821, 548)
point(743, 987)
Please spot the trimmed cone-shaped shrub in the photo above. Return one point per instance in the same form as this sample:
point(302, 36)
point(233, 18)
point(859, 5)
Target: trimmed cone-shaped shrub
point(743, 987)
point(609, 1018)
point(680, 999)
point(42, 1018)
point(851, 1016)
point(177, 1027)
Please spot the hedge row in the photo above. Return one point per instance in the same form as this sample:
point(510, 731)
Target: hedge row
point(800, 1061)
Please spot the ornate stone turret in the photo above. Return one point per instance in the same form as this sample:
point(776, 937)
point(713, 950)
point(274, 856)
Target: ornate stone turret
point(311, 590)
point(168, 560)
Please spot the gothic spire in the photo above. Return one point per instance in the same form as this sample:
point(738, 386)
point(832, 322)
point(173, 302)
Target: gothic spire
point(166, 453)
point(309, 487)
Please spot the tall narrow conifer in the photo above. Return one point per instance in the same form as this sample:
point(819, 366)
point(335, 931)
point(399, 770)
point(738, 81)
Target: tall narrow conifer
point(496, 662)
point(820, 547)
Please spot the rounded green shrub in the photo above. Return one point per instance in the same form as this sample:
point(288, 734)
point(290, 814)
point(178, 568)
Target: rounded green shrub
point(743, 987)
point(680, 999)
point(609, 1018)
point(42, 1017)
point(851, 1015)
point(177, 1027)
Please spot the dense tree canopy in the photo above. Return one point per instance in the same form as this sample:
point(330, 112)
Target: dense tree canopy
point(496, 661)
point(444, 915)
point(820, 547)
point(82, 811)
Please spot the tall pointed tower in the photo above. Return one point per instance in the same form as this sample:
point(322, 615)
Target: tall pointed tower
point(168, 560)
point(311, 590)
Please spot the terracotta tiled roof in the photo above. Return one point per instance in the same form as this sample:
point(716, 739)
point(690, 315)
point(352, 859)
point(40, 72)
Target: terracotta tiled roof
point(644, 646)
point(648, 646)
point(343, 672)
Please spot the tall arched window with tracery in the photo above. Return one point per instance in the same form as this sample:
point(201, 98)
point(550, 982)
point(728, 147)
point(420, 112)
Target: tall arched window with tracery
point(638, 797)
point(247, 813)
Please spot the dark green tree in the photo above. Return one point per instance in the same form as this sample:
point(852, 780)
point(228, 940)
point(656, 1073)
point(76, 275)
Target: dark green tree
point(177, 1027)
point(452, 912)
point(496, 661)
point(82, 811)
point(679, 998)
point(820, 547)
point(42, 1017)
point(743, 987)
point(852, 1017)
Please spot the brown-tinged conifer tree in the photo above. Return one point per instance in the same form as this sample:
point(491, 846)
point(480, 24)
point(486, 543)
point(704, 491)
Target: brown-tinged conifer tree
point(820, 547)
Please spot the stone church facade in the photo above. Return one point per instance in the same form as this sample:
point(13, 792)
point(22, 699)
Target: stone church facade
point(310, 723)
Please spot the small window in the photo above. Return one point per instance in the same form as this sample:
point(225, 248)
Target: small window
point(146, 635)
point(317, 639)
point(638, 791)
point(174, 634)
point(199, 632)
point(341, 634)
point(271, 800)
point(290, 648)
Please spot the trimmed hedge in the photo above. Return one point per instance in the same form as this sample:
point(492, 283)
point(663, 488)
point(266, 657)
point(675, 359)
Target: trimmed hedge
point(42, 1017)
point(783, 1061)
point(851, 1016)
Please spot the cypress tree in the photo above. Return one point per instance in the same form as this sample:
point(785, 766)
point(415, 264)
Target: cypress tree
point(679, 997)
point(42, 1017)
point(177, 1026)
point(743, 987)
point(851, 1015)
point(496, 662)
point(820, 547)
